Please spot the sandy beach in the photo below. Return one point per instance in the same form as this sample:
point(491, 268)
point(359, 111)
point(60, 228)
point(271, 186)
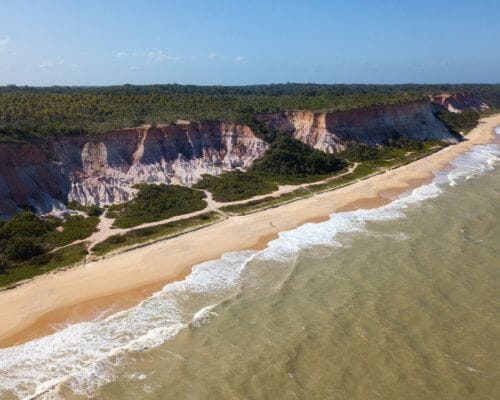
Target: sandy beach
point(120, 281)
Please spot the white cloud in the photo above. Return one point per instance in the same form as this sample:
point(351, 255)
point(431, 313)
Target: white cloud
point(52, 63)
point(239, 59)
point(211, 56)
point(133, 67)
point(4, 42)
point(157, 55)
point(160, 56)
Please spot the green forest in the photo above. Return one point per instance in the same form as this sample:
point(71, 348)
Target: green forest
point(43, 112)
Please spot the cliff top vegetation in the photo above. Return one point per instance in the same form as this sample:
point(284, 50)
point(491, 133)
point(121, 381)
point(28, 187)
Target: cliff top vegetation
point(43, 112)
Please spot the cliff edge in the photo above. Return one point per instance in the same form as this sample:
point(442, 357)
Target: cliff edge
point(331, 131)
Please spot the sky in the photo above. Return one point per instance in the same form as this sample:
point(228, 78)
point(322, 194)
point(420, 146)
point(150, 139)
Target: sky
point(104, 42)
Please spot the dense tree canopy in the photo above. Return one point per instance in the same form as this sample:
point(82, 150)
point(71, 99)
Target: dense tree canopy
point(75, 110)
point(289, 157)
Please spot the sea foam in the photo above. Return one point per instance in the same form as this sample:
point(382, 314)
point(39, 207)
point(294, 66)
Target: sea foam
point(83, 355)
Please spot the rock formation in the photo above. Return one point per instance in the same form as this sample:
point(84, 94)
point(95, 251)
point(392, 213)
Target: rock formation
point(331, 131)
point(460, 102)
point(102, 169)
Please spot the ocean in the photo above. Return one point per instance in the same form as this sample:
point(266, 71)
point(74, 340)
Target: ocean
point(397, 302)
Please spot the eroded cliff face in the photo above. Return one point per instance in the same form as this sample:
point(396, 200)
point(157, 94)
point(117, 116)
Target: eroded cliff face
point(460, 102)
point(331, 131)
point(29, 178)
point(102, 169)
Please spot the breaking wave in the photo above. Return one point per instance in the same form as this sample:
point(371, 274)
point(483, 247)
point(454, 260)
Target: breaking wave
point(82, 356)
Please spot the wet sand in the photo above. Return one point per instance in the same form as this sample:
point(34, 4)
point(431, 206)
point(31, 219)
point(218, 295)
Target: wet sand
point(47, 303)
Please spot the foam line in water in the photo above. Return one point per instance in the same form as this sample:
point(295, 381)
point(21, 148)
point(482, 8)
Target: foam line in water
point(83, 355)
point(480, 159)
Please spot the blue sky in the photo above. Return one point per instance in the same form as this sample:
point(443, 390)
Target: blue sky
point(87, 42)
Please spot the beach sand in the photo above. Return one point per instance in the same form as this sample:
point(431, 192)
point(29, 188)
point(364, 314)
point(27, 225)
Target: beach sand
point(49, 302)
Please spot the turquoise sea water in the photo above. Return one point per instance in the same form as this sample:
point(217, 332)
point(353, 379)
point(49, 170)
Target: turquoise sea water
point(397, 302)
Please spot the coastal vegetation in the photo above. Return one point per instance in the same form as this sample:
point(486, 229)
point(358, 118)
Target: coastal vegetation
point(236, 185)
point(30, 244)
point(61, 258)
point(91, 211)
point(156, 202)
point(288, 161)
point(27, 112)
point(361, 171)
point(394, 148)
point(460, 123)
point(153, 233)
point(371, 161)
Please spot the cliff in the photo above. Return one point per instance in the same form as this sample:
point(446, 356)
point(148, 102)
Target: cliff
point(331, 131)
point(103, 168)
point(460, 102)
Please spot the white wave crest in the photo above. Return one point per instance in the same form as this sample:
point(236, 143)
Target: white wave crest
point(82, 355)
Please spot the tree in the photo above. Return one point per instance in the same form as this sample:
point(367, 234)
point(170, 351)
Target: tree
point(21, 249)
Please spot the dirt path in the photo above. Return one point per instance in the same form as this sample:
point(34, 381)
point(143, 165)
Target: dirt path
point(105, 227)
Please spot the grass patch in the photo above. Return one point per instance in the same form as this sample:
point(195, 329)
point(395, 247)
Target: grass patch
point(236, 185)
point(156, 202)
point(45, 263)
point(153, 233)
point(75, 227)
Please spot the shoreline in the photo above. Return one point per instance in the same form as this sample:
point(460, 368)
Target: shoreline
point(48, 302)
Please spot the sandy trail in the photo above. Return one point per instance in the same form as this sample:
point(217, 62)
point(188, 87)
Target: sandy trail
point(106, 230)
point(105, 227)
point(122, 280)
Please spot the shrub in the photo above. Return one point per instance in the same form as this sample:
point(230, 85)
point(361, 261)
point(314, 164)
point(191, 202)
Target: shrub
point(290, 157)
point(21, 249)
point(27, 224)
point(236, 185)
point(157, 202)
point(288, 160)
point(3, 266)
point(91, 211)
point(360, 152)
point(461, 122)
point(94, 211)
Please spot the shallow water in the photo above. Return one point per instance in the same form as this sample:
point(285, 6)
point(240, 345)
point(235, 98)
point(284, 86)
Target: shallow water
point(397, 302)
